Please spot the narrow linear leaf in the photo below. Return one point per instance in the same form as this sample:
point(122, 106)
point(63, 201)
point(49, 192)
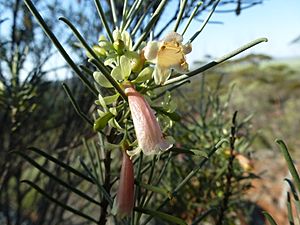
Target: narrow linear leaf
point(142, 18)
point(164, 216)
point(132, 13)
point(60, 163)
point(205, 21)
point(172, 115)
point(195, 152)
point(103, 19)
point(293, 189)
point(113, 11)
point(189, 176)
point(75, 105)
point(191, 17)
point(124, 12)
point(69, 208)
point(203, 216)
point(180, 14)
point(156, 189)
point(95, 59)
point(289, 209)
point(296, 197)
point(151, 23)
point(289, 160)
point(99, 186)
point(269, 218)
point(79, 37)
point(57, 44)
point(52, 176)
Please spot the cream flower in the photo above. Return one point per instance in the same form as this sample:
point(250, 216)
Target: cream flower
point(149, 135)
point(167, 54)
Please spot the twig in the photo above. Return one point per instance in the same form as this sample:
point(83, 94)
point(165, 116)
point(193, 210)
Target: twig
point(230, 173)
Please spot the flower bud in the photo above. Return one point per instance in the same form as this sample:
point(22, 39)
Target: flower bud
point(119, 46)
point(99, 51)
point(124, 201)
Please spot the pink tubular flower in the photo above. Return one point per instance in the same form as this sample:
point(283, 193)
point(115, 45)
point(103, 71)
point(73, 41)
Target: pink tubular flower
point(124, 201)
point(149, 136)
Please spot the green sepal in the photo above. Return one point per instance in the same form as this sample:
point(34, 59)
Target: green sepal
point(119, 46)
point(102, 121)
point(101, 80)
point(111, 99)
point(125, 67)
point(136, 61)
point(172, 115)
point(144, 75)
point(102, 103)
point(114, 123)
point(117, 73)
point(99, 51)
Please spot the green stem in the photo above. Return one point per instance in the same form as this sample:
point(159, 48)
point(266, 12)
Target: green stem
point(56, 178)
point(180, 14)
point(124, 14)
point(69, 208)
point(100, 65)
point(204, 22)
point(75, 105)
point(131, 17)
point(166, 162)
point(151, 23)
point(59, 47)
point(103, 19)
point(114, 12)
point(142, 202)
point(191, 17)
point(189, 176)
point(289, 160)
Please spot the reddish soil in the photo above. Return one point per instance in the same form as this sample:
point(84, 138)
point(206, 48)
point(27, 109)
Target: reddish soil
point(270, 192)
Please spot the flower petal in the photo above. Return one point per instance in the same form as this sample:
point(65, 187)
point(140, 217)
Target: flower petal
point(161, 74)
point(164, 145)
point(134, 152)
point(151, 50)
point(149, 135)
point(170, 55)
point(187, 48)
point(173, 36)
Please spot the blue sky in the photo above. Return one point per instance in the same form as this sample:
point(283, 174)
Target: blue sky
point(277, 20)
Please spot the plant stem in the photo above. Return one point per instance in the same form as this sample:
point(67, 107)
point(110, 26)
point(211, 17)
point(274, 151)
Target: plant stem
point(188, 177)
point(107, 186)
point(230, 173)
point(59, 47)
